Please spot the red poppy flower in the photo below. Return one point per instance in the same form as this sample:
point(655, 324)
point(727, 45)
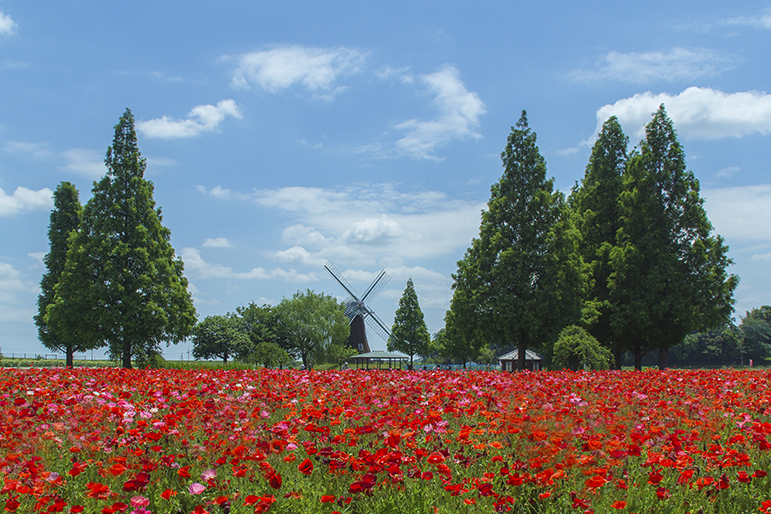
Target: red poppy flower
point(306, 467)
point(435, 458)
point(275, 481)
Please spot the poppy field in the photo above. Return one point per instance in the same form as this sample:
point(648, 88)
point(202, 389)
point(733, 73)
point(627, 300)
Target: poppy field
point(197, 441)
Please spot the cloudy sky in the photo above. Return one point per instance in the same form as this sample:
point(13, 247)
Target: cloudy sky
point(280, 135)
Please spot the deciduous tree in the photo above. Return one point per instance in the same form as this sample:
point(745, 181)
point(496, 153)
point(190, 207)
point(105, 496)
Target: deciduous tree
point(312, 322)
point(220, 337)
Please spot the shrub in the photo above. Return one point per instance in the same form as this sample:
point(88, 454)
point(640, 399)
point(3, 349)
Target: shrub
point(577, 349)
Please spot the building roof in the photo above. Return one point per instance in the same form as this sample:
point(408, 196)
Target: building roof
point(530, 355)
point(379, 355)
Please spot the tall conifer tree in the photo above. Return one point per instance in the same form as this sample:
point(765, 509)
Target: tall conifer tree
point(596, 203)
point(64, 221)
point(523, 279)
point(123, 284)
point(409, 333)
point(668, 272)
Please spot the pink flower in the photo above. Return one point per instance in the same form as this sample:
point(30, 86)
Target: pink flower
point(140, 501)
point(196, 488)
point(208, 474)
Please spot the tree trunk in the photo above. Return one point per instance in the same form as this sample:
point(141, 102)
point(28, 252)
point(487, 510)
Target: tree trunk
point(126, 354)
point(70, 353)
point(638, 356)
point(521, 355)
point(618, 355)
point(663, 358)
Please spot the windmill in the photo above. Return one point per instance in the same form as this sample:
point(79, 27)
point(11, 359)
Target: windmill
point(357, 310)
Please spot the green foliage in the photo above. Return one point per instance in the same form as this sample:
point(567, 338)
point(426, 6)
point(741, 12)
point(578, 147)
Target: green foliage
point(718, 347)
point(523, 278)
point(596, 206)
point(64, 222)
point(261, 324)
point(487, 356)
point(269, 355)
point(312, 323)
point(220, 337)
point(756, 334)
point(122, 283)
point(409, 333)
point(577, 349)
point(337, 354)
point(668, 273)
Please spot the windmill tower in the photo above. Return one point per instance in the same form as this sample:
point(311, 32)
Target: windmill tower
point(357, 310)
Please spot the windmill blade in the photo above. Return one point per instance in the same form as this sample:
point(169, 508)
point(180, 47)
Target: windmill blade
point(377, 285)
point(341, 279)
point(351, 310)
point(377, 324)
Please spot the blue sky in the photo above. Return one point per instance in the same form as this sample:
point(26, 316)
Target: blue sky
point(280, 135)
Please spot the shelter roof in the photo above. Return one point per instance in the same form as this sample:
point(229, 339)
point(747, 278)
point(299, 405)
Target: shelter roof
point(530, 355)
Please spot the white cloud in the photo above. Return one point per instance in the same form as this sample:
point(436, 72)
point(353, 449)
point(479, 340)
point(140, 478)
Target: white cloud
point(7, 25)
point(302, 235)
point(10, 283)
point(217, 242)
point(459, 112)
point(698, 113)
point(299, 255)
point(84, 162)
point(740, 214)
point(24, 199)
point(198, 267)
point(728, 172)
point(222, 193)
point(373, 231)
point(762, 21)
point(34, 150)
point(366, 223)
point(642, 67)
point(317, 69)
point(203, 118)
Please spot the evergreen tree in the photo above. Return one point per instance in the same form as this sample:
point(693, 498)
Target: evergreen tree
point(522, 279)
point(668, 273)
point(596, 203)
point(64, 221)
point(122, 283)
point(409, 333)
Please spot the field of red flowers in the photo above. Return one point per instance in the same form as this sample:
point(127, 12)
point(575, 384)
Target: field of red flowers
point(164, 441)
